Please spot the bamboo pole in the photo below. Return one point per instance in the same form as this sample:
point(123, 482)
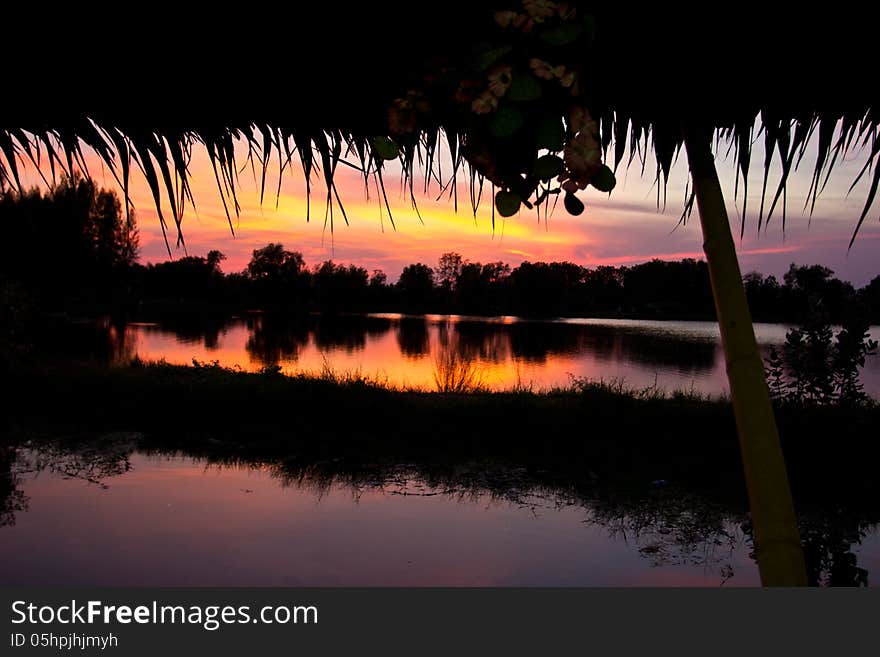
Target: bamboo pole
point(777, 541)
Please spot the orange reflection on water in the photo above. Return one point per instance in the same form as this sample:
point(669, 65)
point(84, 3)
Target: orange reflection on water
point(416, 352)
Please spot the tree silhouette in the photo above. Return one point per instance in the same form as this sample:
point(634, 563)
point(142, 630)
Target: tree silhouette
point(870, 297)
point(116, 240)
point(72, 240)
point(191, 278)
point(416, 286)
point(448, 270)
point(280, 277)
point(805, 285)
point(337, 287)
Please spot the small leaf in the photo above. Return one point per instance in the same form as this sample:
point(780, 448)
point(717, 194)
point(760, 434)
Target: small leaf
point(589, 29)
point(386, 148)
point(604, 179)
point(507, 203)
point(524, 88)
point(506, 122)
point(573, 204)
point(551, 134)
point(548, 166)
point(563, 35)
point(490, 57)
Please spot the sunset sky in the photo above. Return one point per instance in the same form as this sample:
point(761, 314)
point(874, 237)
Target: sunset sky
point(623, 228)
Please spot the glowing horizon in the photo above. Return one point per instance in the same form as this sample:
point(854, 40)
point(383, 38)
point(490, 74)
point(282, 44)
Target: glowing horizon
point(621, 229)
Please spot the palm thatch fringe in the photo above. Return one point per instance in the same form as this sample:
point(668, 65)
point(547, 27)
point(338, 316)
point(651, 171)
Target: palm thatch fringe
point(163, 157)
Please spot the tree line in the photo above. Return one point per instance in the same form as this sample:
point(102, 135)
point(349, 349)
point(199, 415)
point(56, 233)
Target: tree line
point(75, 242)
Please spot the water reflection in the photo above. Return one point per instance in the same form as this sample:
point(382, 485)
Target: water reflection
point(12, 498)
point(346, 335)
point(412, 337)
point(92, 460)
point(828, 546)
point(204, 330)
point(271, 341)
point(103, 340)
point(463, 523)
point(403, 350)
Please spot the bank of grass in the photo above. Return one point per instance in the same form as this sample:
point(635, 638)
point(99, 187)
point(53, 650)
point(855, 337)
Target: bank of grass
point(594, 429)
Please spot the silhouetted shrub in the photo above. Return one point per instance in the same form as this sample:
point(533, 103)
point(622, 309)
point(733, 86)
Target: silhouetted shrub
point(816, 366)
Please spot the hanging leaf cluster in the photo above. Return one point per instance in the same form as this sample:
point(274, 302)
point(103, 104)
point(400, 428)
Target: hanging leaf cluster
point(517, 104)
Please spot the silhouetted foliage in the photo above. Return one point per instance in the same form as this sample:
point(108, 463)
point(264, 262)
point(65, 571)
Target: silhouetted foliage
point(763, 294)
point(669, 288)
point(74, 244)
point(852, 347)
point(17, 312)
point(192, 278)
point(416, 286)
point(339, 287)
point(544, 289)
point(806, 285)
point(603, 289)
point(278, 279)
point(802, 288)
point(448, 271)
point(71, 242)
point(818, 367)
point(278, 276)
point(870, 298)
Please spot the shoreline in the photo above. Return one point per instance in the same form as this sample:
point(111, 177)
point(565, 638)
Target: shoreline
point(616, 434)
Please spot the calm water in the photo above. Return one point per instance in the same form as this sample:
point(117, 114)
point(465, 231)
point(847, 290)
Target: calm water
point(175, 521)
point(112, 514)
point(501, 352)
point(139, 519)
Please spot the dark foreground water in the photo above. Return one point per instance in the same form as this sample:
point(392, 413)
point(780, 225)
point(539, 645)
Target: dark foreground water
point(429, 351)
point(128, 518)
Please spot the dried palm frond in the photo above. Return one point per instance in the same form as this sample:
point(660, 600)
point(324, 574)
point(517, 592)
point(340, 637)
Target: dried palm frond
point(318, 90)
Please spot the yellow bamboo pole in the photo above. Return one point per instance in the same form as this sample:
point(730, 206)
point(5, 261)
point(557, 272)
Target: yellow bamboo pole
point(777, 541)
